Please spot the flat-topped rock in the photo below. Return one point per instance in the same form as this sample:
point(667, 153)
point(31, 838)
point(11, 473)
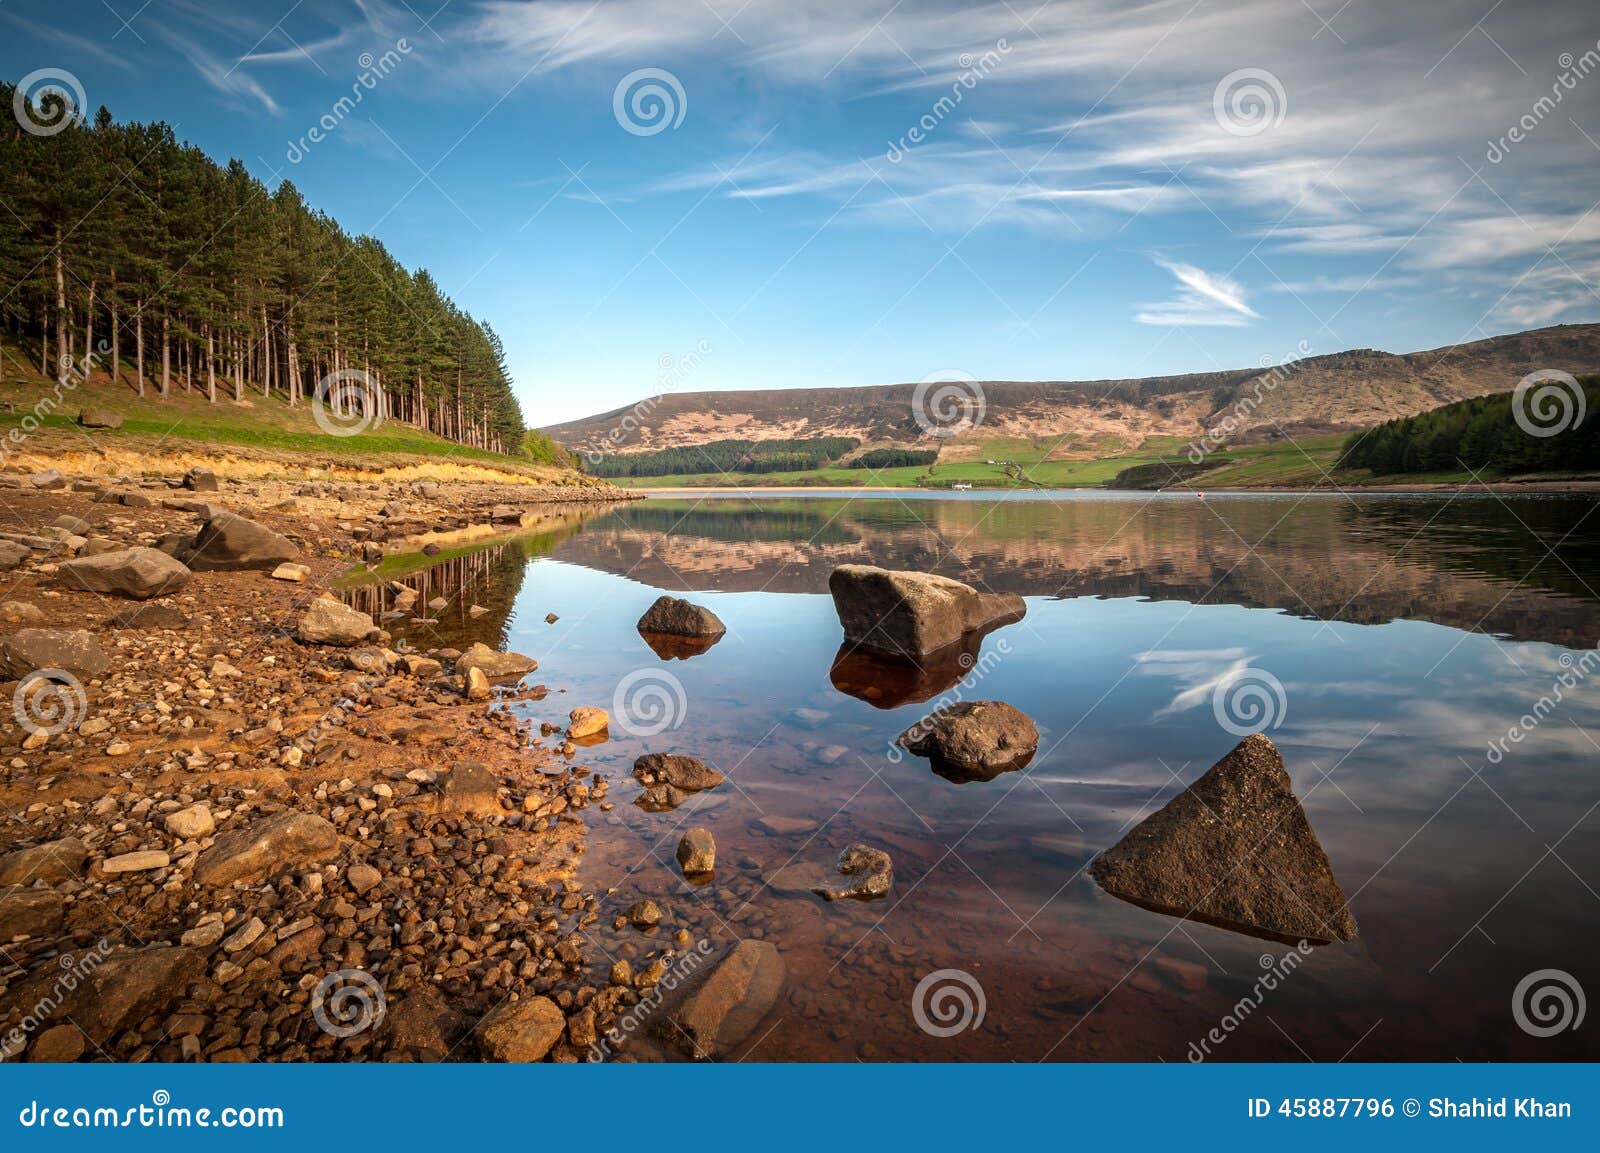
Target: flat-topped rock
point(74, 650)
point(493, 664)
point(332, 622)
point(724, 1007)
point(138, 573)
point(1234, 849)
point(229, 542)
point(913, 614)
point(673, 616)
point(689, 774)
point(268, 846)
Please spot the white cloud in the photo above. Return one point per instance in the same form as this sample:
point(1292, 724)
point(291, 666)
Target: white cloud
point(1204, 299)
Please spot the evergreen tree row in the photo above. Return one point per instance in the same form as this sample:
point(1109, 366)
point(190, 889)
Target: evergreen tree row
point(1485, 434)
point(753, 456)
point(195, 276)
point(894, 458)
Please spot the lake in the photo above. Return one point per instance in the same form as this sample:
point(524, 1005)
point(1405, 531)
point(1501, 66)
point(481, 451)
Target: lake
point(1400, 646)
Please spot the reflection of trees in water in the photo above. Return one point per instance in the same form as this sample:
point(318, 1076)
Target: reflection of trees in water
point(773, 521)
point(1477, 564)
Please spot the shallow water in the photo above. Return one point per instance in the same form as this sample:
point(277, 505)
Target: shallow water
point(1407, 634)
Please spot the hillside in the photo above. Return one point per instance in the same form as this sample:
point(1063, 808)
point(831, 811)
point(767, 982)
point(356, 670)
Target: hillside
point(1091, 420)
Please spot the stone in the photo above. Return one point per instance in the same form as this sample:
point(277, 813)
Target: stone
point(776, 826)
point(422, 1024)
point(12, 554)
point(199, 479)
point(689, 774)
point(140, 862)
point(494, 665)
point(229, 542)
point(269, 846)
point(97, 417)
point(521, 1031)
point(872, 873)
point(139, 573)
point(644, 914)
point(363, 878)
point(49, 480)
point(290, 571)
point(973, 740)
point(332, 622)
point(473, 789)
point(911, 614)
point(26, 912)
point(725, 1007)
point(475, 685)
point(661, 799)
point(59, 1044)
point(192, 823)
point(673, 616)
point(122, 990)
point(1235, 850)
point(51, 862)
point(150, 616)
point(697, 852)
point(75, 525)
point(19, 612)
point(74, 650)
point(585, 721)
point(245, 935)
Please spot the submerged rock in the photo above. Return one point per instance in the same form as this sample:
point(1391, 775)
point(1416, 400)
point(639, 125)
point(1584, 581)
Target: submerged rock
point(522, 1031)
point(870, 870)
point(1234, 849)
point(586, 721)
point(974, 740)
point(140, 573)
point(725, 1007)
point(886, 681)
point(676, 617)
point(913, 614)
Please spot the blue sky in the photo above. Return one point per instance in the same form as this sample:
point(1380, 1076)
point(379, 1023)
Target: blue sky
point(1092, 190)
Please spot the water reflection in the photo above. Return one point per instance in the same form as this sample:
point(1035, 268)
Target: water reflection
point(1384, 620)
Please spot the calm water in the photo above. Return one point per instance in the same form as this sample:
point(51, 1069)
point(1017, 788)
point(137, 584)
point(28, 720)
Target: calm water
point(1407, 634)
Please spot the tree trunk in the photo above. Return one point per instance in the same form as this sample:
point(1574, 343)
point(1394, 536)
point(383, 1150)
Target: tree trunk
point(166, 356)
point(138, 344)
point(116, 333)
point(211, 367)
point(63, 348)
point(88, 332)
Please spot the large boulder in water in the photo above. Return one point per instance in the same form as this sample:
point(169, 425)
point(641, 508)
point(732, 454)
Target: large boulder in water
point(912, 614)
point(681, 772)
point(139, 573)
point(494, 664)
point(673, 616)
point(1233, 849)
point(974, 739)
point(228, 541)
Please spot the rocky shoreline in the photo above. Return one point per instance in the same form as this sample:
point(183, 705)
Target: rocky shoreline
point(227, 843)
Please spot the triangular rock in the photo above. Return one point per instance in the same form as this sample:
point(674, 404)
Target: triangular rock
point(1234, 849)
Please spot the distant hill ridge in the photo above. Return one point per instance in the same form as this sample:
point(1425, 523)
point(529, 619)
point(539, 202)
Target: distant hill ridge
point(1325, 393)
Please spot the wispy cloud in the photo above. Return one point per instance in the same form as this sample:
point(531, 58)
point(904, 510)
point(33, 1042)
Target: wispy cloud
point(1204, 299)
